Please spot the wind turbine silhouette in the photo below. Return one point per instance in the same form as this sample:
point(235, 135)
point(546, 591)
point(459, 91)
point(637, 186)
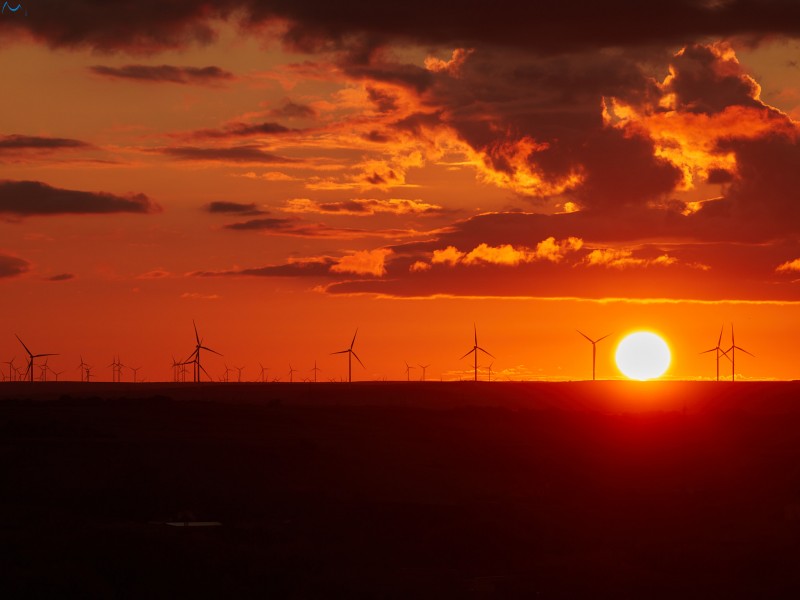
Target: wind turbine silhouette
point(733, 350)
point(135, 372)
point(263, 371)
point(315, 369)
point(489, 369)
point(423, 367)
point(408, 372)
point(31, 356)
point(718, 349)
point(594, 349)
point(82, 368)
point(195, 356)
point(475, 349)
point(12, 370)
point(349, 351)
point(291, 371)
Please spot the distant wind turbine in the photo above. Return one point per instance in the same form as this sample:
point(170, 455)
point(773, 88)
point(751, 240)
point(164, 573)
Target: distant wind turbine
point(408, 372)
point(594, 349)
point(718, 349)
point(316, 369)
point(350, 354)
point(291, 372)
point(424, 368)
point(31, 356)
point(194, 357)
point(733, 350)
point(475, 349)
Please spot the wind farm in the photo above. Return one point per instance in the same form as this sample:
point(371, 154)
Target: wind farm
point(201, 202)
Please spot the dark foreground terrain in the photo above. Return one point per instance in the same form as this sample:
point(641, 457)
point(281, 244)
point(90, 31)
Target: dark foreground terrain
point(390, 490)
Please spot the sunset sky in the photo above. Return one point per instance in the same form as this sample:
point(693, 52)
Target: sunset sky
point(285, 172)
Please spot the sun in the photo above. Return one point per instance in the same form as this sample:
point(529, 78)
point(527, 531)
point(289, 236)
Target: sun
point(643, 355)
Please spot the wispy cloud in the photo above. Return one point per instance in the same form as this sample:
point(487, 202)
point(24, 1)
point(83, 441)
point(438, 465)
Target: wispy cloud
point(164, 73)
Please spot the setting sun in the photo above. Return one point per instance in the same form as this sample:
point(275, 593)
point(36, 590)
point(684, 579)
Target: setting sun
point(643, 355)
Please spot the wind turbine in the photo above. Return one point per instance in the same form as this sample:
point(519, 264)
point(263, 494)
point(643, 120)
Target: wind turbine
point(350, 354)
point(489, 369)
point(423, 367)
point(82, 368)
point(12, 370)
point(291, 372)
point(263, 371)
point(315, 369)
point(408, 371)
point(31, 356)
point(718, 349)
point(475, 349)
point(594, 349)
point(194, 357)
point(135, 372)
point(733, 350)
point(239, 376)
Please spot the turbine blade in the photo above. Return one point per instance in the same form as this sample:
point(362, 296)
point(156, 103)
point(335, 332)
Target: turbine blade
point(39, 355)
point(354, 339)
point(721, 329)
point(341, 351)
point(745, 351)
point(196, 336)
point(358, 359)
point(712, 350)
point(486, 352)
point(468, 353)
point(24, 346)
point(210, 350)
point(475, 328)
point(602, 338)
point(586, 336)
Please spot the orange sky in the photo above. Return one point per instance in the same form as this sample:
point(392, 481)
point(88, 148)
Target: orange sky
point(285, 174)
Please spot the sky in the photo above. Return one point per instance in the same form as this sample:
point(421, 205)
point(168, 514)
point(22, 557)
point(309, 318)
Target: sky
point(284, 173)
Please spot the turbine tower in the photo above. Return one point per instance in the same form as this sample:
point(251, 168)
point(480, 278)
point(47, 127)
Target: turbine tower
point(408, 372)
point(718, 349)
point(733, 350)
point(350, 354)
point(594, 349)
point(291, 372)
point(31, 356)
point(475, 349)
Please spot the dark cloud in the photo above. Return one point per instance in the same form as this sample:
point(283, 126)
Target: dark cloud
point(164, 73)
point(32, 142)
point(301, 228)
point(61, 277)
point(11, 266)
point(235, 208)
point(234, 154)
point(27, 198)
point(234, 130)
point(147, 26)
point(383, 101)
point(305, 268)
point(293, 110)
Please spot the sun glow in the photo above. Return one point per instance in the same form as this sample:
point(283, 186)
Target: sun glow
point(643, 355)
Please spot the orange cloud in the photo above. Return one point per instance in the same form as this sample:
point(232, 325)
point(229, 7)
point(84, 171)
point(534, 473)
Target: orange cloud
point(419, 267)
point(363, 262)
point(789, 266)
point(453, 66)
point(548, 249)
point(622, 259)
point(362, 206)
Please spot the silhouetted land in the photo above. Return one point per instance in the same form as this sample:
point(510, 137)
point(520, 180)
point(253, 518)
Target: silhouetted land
point(401, 490)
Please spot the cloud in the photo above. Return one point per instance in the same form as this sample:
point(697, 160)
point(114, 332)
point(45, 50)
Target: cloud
point(548, 250)
point(622, 259)
point(11, 266)
point(363, 262)
point(164, 73)
point(237, 130)
point(155, 274)
point(16, 142)
point(61, 277)
point(146, 27)
point(419, 266)
point(199, 296)
point(27, 198)
point(363, 207)
point(237, 208)
point(790, 266)
point(234, 154)
point(294, 110)
point(307, 267)
point(300, 228)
